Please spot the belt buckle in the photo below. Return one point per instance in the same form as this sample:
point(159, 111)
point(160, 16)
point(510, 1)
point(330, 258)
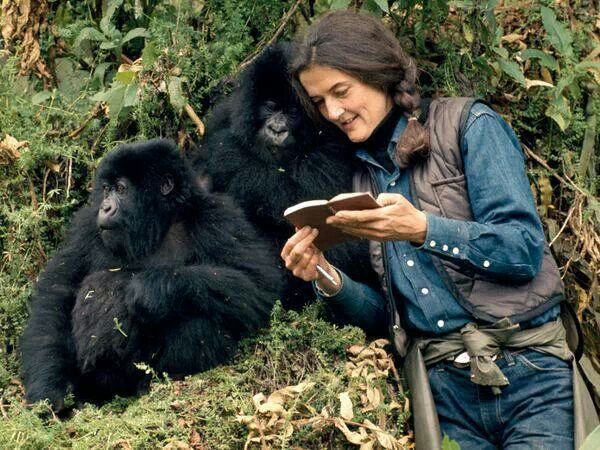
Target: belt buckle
point(464, 358)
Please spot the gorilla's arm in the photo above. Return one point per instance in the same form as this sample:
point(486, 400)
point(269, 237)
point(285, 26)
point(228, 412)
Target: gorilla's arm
point(232, 275)
point(47, 345)
point(216, 293)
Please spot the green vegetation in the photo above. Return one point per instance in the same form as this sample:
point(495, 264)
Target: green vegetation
point(77, 78)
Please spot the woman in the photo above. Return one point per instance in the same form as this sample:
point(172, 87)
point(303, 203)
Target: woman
point(465, 269)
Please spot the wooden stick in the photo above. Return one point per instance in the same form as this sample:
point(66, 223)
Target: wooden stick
point(280, 28)
point(192, 115)
point(543, 163)
point(571, 211)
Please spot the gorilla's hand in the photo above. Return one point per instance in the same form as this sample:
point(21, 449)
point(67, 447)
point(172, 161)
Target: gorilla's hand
point(147, 297)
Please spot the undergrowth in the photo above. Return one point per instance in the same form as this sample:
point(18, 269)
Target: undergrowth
point(78, 78)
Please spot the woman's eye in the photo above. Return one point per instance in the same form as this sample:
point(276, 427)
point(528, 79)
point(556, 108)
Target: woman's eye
point(341, 93)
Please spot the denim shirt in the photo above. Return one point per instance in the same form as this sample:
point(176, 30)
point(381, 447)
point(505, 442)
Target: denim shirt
point(505, 240)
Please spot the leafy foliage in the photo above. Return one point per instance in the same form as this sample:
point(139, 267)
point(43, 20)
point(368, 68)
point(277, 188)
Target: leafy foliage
point(77, 78)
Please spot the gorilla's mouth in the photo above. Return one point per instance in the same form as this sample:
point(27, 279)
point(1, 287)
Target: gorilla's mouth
point(103, 229)
point(277, 139)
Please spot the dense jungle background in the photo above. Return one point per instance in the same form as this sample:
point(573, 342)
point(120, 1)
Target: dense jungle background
point(79, 77)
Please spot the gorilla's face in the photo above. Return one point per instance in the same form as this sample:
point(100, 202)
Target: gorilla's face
point(280, 124)
point(116, 215)
point(130, 219)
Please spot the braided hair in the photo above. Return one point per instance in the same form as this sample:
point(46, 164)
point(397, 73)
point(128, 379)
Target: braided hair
point(361, 46)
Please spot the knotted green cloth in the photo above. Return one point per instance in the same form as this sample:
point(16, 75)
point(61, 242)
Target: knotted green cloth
point(482, 343)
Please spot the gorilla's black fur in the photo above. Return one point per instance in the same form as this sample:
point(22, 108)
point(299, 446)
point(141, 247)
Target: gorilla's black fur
point(154, 270)
point(262, 149)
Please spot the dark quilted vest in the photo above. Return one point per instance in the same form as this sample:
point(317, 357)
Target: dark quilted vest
point(439, 187)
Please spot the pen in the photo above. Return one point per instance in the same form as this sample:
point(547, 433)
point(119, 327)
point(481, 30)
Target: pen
point(326, 275)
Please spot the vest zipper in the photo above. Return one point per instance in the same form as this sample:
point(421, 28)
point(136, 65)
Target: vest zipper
point(393, 326)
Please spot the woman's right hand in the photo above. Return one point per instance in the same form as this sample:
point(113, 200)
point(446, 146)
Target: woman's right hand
point(301, 257)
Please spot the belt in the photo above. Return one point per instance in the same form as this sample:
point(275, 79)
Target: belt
point(463, 359)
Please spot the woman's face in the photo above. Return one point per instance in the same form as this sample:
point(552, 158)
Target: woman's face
point(353, 106)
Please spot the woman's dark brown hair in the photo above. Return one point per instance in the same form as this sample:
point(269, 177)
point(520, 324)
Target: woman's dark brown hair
point(362, 47)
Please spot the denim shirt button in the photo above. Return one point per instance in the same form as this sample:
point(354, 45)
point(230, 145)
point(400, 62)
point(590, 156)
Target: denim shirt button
point(445, 247)
point(440, 323)
point(410, 263)
point(393, 183)
point(455, 251)
point(486, 264)
point(424, 291)
point(432, 244)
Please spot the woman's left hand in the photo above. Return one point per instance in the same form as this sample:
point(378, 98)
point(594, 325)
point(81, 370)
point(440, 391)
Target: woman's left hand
point(396, 220)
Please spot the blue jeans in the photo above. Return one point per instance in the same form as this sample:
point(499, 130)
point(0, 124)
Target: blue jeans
point(534, 412)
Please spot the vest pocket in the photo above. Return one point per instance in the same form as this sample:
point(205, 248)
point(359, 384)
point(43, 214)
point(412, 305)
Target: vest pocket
point(450, 194)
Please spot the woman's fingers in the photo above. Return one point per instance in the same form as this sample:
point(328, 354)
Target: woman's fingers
point(386, 199)
point(299, 250)
point(297, 238)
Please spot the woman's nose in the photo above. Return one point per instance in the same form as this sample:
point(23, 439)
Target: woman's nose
point(334, 110)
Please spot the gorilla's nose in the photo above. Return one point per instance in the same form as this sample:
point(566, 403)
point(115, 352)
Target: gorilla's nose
point(278, 127)
point(107, 208)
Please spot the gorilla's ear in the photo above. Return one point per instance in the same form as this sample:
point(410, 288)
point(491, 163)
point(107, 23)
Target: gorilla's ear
point(167, 184)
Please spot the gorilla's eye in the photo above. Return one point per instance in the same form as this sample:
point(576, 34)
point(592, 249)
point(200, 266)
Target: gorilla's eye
point(121, 188)
point(105, 189)
point(270, 105)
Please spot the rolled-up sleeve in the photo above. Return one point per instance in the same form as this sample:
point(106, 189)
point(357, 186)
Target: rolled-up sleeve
point(358, 304)
point(505, 240)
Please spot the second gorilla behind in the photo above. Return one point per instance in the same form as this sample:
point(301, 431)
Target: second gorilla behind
point(262, 149)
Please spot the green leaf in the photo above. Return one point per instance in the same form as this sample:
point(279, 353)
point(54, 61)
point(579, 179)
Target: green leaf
point(100, 72)
point(558, 34)
point(544, 58)
point(584, 66)
point(560, 111)
point(468, 33)
point(566, 81)
point(176, 97)
point(88, 34)
point(592, 442)
point(512, 69)
point(383, 5)
point(371, 6)
point(119, 98)
point(501, 52)
point(130, 96)
point(41, 97)
point(149, 55)
point(339, 4)
point(135, 33)
point(107, 45)
point(125, 77)
point(449, 444)
point(114, 98)
point(105, 25)
point(71, 81)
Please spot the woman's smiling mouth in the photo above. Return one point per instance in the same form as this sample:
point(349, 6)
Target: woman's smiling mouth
point(347, 123)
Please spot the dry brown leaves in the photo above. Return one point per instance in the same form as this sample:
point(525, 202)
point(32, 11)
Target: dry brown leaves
point(277, 417)
point(9, 149)
point(22, 21)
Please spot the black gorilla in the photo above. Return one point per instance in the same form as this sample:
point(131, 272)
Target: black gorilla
point(262, 149)
point(155, 270)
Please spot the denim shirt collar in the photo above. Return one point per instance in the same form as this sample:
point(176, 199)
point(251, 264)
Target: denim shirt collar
point(362, 154)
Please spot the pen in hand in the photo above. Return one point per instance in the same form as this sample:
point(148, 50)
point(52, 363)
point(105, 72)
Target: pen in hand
point(326, 275)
